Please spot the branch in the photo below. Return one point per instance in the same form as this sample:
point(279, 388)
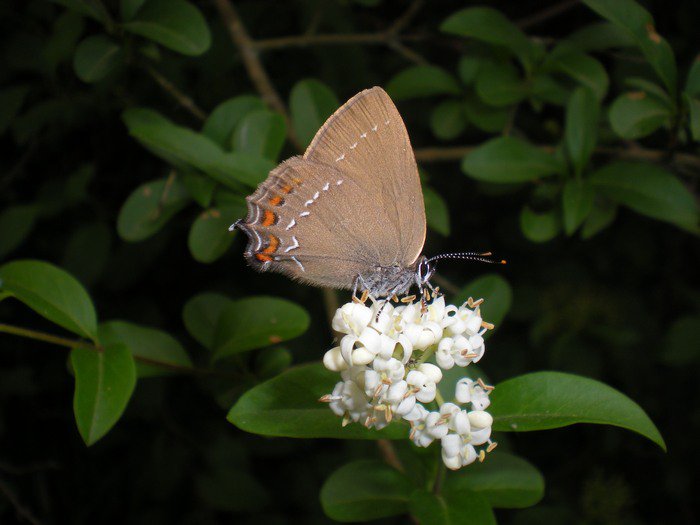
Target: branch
point(251, 61)
point(438, 154)
point(22, 512)
point(182, 99)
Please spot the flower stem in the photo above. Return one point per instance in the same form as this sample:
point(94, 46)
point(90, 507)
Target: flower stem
point(439, 478)
point(426, 355)
point(47, 338)
point(438, 397)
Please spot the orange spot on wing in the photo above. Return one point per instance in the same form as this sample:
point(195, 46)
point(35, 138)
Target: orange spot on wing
point(286, 189)
point(273, 245)
point(276, 201)
point(296, 181)
point(262, 257)
point(269, 218)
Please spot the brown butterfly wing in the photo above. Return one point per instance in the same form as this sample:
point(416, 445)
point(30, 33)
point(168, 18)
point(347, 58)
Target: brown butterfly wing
point(353, 202)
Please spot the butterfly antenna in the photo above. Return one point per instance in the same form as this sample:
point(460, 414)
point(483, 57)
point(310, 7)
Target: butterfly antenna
point(485, 257)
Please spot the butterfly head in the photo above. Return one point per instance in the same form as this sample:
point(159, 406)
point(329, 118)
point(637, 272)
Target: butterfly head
point(424, 270)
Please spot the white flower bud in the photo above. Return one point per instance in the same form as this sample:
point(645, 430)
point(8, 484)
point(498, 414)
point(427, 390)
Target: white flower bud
point(431, 371)
point(333, 360)
point(362, 356)
point(451, 462)
point(460, 423)
point(351, 318)
point(451, 445)
point(480, 419)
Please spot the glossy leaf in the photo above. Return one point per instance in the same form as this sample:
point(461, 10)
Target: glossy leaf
point(422, 81)
point(262, 133)
point(498, 84)
point(635, 20)
point(489, 25)
point(156, 352)
point(635, 115)
point(437, 214)
point(577, 203)
point(544, 400)
point(129, 8)
point(508, 159)
point(199, 186)
point(104, 382)
point(451, 507)
point(209, 236)
point(581, 127)
point(581, 67)
point(95, 58)
point(225, 117)
point(365, 490)
point(52, 293)
point(175, 24)
point(692, 82)
point(600, 36)
point(256, 322)
point(311, 102)
point(486, 118)
point(447, 120)
point(185, 148)
point(16, 223)
point(601, 216)
point(503, 480)
point(201, 315)
point(693, 105)
point(649, 190)
point(288, 405)
point(539, 227)
point(496, 293)
point(150, 207)
point(468, 68)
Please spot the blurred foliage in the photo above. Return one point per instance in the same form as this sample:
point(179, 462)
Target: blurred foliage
point(561, 136)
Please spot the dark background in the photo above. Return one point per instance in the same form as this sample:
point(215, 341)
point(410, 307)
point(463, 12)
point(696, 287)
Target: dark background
point(601, 308)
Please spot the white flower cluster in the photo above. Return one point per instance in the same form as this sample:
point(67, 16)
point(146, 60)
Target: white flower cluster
point(382, 358)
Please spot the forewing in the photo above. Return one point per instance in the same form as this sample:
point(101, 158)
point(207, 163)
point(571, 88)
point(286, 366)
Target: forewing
point(366, 140)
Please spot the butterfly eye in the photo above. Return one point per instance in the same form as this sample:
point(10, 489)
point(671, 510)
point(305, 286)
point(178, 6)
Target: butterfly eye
point(424, 271)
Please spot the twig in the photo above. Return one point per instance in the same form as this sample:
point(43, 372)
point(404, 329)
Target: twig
point(386, 449)
point(22, 512)
point(251, 61)
point(546, 14)
point(438, 154)
point(80, 343)
point(182, 99)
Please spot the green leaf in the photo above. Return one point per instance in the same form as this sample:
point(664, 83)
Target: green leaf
point(692, 82)
point(96, 57)
point(447, 120)
point(201, 315)
point(635, 115)
point(600, 36)
point(489, 25)
point(365, 490)
point(199, 186)
point(453, 507)
point(11, 100)
point(288, 406)
point(581, 127)
point(638, 23)
point(156, 352)
point(261, 133)
point(422, 81)
point(255, 322)
point(16, 223)
point(209, 236)
point(580, 67)
point(601, 216)
point(225, 117)
point(693, 116)
point(544, 400)
point(539, 227)
point(272, 361)
point(60, 46)
point(650, 88)
point(185, 149)
point(104, 382)
point(496, 293)
point(129, 8)
point(504, 480)
point(468, 68)
point(486, 118)
point(436, 211)
point(544, 88)
point(508, 159)
point(577, 203)
point(681, 345)
point(498, 84)
point(52, 293)
point(150, 207)
point(175, 24)
point(649, 190)
point(311, 102)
